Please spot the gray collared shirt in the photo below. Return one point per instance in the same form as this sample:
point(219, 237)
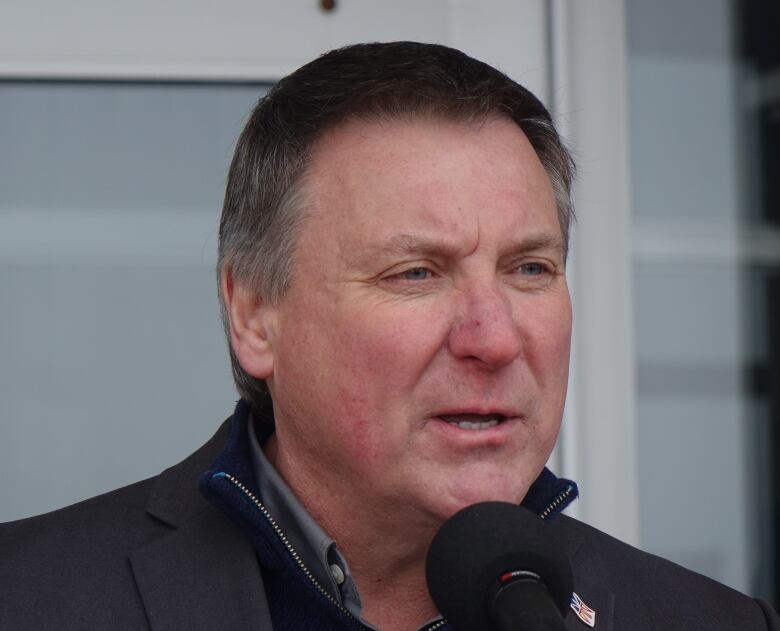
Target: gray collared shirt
point(317, 550)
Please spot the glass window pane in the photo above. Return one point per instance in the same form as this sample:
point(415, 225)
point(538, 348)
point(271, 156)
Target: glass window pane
point(112, 360)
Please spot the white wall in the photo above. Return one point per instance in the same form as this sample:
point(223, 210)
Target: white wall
point(245, 39)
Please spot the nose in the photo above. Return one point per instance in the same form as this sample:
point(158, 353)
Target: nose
point(484, 330)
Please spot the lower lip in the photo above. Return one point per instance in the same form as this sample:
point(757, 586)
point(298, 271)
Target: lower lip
point(486, 437)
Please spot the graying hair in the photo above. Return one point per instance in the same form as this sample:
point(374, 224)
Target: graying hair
point(265, 198)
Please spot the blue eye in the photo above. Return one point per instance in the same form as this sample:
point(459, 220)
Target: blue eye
point(532, 269)
point(416, 273)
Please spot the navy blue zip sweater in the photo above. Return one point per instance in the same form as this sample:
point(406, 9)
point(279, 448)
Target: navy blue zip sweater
point(295, 601)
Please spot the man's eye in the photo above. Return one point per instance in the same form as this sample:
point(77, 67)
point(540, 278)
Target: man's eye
point(416, 273)
point(532, 269)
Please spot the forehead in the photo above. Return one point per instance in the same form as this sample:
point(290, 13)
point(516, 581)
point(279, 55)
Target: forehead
point(406, 175)
point(376, 141)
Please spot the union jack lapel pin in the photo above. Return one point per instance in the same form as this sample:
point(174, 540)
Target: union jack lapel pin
point(584, 613)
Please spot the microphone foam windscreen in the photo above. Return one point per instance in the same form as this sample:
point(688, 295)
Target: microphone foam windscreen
point(479, 544)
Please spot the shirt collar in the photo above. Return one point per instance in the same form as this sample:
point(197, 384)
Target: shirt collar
point(317, 549)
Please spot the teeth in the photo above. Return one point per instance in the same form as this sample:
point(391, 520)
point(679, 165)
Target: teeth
point(473, 421)
point(470, 425)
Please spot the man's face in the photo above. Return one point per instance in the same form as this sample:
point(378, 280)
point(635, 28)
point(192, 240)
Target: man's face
point(420, 356)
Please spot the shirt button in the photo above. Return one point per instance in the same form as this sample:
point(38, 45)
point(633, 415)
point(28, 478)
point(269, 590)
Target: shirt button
point(337, 573)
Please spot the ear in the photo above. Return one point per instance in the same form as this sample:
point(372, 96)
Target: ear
point(251, 326)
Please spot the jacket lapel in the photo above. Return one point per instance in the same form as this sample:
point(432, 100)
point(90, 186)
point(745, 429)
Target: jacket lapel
point(204, 575)
point(592, 591)
point(196, 570)
point(598, 598)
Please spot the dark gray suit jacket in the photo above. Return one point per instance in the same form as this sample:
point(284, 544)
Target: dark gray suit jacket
point(156, 555)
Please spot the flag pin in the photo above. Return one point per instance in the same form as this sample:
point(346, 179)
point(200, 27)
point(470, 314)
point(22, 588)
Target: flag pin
point(584, 613)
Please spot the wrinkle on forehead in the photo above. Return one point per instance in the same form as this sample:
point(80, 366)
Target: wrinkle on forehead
point(451, 196)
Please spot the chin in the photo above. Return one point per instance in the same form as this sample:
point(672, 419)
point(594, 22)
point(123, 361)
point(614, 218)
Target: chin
point(466, 496)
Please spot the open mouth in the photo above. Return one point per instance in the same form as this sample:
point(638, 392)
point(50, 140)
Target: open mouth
point(473, 421)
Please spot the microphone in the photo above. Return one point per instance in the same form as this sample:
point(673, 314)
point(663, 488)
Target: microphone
point(494, 566)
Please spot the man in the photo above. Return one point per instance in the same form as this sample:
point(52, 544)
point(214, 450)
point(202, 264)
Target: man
point(391, 267)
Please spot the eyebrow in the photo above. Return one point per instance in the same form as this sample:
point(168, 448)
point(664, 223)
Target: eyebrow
point(410, 243)
point(417, 244)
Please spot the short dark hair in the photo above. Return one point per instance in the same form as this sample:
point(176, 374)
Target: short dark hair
point(264, 196)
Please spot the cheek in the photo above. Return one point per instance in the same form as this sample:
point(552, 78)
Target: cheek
point(387, 357)
point(549, 342)
point(386, 353)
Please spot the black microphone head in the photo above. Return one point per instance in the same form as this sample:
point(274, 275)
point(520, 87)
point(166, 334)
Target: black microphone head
point(480, 544)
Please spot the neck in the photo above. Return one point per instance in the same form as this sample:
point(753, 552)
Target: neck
point(397, 603)
point(388, 566)
point(385, 547)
